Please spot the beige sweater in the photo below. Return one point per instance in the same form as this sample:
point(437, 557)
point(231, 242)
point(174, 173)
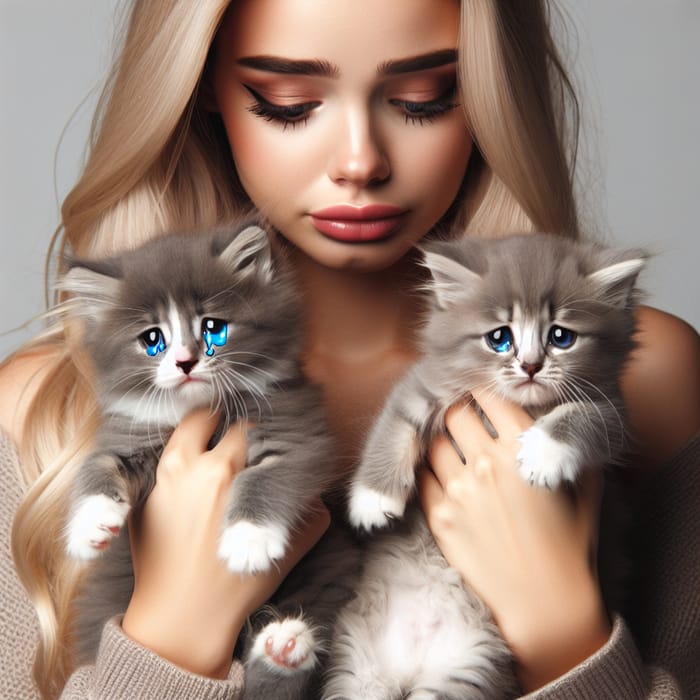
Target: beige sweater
point(653, 653)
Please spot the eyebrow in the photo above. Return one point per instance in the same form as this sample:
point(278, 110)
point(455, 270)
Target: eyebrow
point(418, 63)
point(289, 66)
point(325, 69)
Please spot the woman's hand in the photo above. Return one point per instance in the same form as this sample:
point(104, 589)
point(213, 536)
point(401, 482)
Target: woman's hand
point(529, 553)
point(186, 606)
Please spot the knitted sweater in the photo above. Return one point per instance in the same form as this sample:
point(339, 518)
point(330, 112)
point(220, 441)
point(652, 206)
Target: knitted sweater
point(653, 652)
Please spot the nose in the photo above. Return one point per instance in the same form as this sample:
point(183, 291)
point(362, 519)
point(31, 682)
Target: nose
point(358, 157)
point(186, 366)
point(531, 368)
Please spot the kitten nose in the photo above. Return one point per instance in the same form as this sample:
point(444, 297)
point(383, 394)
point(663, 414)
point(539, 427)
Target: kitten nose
point(532, 368)
point(186, 366)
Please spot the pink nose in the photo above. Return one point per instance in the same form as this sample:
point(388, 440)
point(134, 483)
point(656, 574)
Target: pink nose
point(532, 368)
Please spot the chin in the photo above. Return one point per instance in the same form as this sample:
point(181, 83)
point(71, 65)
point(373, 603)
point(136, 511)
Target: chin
point(366, 258)
point(533, 395)
point(192, 395)
point(357, 257)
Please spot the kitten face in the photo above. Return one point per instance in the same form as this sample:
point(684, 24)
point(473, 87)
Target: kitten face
point(172, 364)
point(536, 357)
point(187, 321)
point(538, 319)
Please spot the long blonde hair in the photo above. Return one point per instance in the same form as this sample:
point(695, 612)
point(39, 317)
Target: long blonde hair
point(158, 160)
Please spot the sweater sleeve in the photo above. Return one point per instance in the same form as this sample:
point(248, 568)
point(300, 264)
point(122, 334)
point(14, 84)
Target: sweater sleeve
point(18, 626)
point(123, 668)
point(614, 671)
point(653, 653)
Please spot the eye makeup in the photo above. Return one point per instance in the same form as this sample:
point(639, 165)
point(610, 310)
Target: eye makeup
point(415, 111)
point(420, 88)
point(286, 115)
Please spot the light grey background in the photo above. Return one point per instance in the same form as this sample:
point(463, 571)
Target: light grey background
point(636, 60)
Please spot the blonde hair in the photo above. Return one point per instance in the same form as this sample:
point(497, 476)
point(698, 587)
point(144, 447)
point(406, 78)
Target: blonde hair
point(159, 160)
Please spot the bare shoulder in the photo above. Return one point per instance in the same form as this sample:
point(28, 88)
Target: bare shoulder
point(20, 379)
point(662, 385)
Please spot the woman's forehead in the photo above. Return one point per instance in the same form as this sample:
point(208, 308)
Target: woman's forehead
point(347, 34)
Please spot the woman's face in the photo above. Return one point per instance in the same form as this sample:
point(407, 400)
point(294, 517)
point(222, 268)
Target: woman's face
point(344, 120)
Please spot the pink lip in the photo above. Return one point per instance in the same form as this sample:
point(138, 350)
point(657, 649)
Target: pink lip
point(358, 224)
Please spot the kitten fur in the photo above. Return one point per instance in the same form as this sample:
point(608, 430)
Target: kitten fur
point(153, 321)
point(542, 321)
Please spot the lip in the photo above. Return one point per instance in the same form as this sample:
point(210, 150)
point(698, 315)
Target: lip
point(350, 224)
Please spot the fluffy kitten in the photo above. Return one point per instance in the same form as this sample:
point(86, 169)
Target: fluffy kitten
point(212, 320)
point(543, 321)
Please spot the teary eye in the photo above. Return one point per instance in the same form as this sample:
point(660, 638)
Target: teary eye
point(214, 332)
point(561, 338)
point(500, 340)
point(153, 341)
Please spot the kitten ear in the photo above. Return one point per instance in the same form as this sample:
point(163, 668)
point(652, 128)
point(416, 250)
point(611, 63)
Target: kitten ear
point(90, 284)
point(452, 281)
point(249, 254)
point(617, 280)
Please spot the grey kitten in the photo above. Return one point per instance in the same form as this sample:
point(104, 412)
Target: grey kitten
point(543, 321)
point(201, 320)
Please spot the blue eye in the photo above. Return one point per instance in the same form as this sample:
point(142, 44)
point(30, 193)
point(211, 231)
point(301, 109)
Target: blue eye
point(153, 341)
point(561, 338)
point(500, 340)
point(214, 332)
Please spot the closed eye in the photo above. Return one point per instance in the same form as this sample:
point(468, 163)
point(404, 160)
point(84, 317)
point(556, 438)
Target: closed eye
point(286, 115)
point(429, 110)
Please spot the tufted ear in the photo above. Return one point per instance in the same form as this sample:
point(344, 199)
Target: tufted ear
point(451, 279)
point(248, 254)
point(91, 284)
point(617, 280)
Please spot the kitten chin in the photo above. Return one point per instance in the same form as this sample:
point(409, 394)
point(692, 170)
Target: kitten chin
point(169, 410)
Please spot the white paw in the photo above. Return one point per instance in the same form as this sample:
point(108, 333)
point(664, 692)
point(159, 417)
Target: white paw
point(95, 523)
point(370, 508)
point(543, 461)
point(248, 548)
point(287, 646)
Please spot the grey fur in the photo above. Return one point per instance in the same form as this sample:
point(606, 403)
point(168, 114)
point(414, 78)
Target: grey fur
point(229, 275)
point(528, 283)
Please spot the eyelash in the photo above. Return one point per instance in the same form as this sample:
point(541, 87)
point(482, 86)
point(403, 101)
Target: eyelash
point(421, 112)
point(286, 115)
point(298, 114)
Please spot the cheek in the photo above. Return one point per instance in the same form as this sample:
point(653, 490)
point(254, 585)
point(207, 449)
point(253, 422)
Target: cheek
point(439, 161)
point(265, 156)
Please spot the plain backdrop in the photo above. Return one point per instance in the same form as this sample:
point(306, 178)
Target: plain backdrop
point(635, 60)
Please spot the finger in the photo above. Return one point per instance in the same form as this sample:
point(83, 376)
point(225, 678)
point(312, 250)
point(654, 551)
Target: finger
point(467, 429)
point(233, 447)
point(430, 491)
point(509, 419)
point(192, 435)
point(445, 460)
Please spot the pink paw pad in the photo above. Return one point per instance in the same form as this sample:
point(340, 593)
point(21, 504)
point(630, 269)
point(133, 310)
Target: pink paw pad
point(286, 646)
point(284, 656)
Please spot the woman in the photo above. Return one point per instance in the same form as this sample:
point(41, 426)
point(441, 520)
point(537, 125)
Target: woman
point(346, 128)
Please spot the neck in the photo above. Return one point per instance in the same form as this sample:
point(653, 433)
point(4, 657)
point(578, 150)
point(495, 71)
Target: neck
point(352, 317)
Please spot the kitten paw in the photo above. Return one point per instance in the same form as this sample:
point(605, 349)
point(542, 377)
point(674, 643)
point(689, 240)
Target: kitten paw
point(544, 461)
point(95, 523)
point(248, 548)
point(370, 508)
point(286, 646)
